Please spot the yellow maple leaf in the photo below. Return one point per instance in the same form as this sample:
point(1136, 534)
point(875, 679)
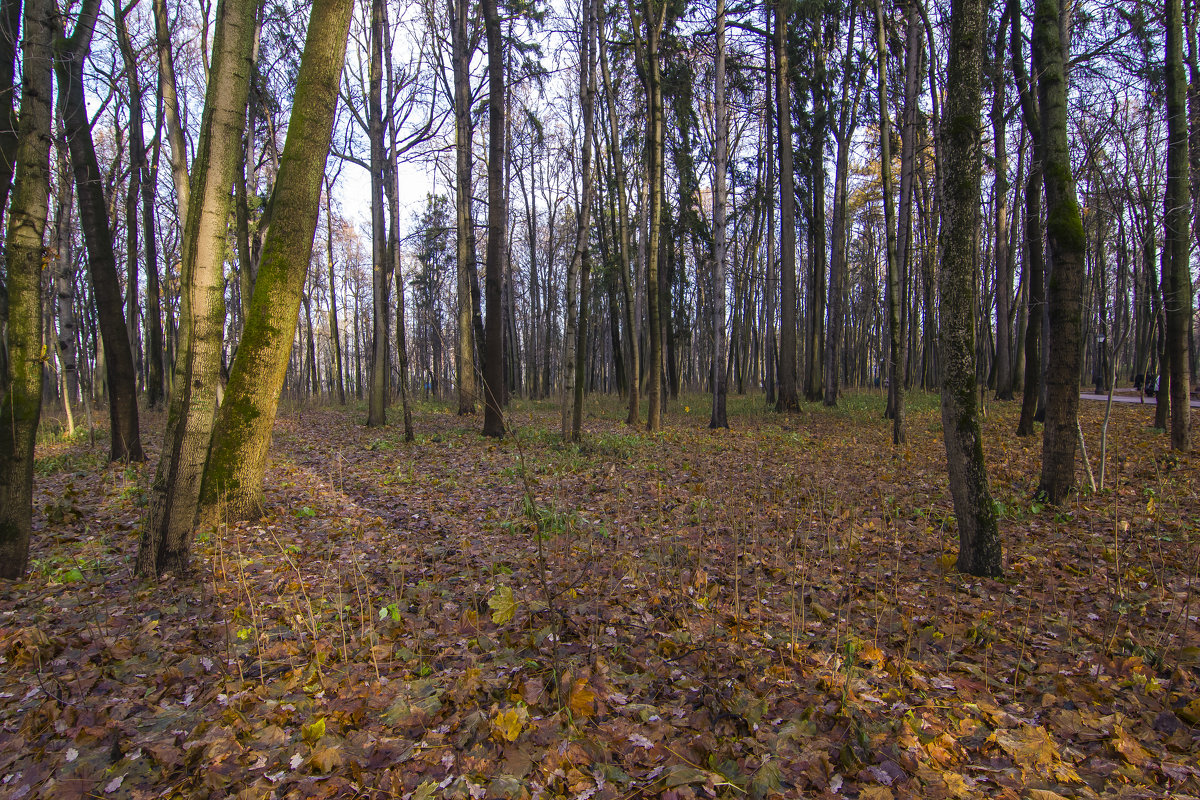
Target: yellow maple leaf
point(510, 722)
point(503, 605)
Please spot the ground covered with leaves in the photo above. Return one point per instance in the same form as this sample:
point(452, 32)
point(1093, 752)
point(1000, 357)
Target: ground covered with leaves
point(768, 611)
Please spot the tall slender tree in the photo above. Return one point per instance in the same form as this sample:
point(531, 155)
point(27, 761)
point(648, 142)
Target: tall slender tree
point(894, 285)
point(21, 403)
point(1176, 256)
point(979, 550)
point(497, 236)
point(70, 52)
point(719, 418)
point(1064, 231)
point(787, 400)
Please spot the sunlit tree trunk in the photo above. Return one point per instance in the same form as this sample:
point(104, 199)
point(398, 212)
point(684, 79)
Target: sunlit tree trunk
point(979, 541)
point(21, 404)
point(175, 494)
point(233, 476)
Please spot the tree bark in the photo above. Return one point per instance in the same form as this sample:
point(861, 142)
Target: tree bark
point(69, 55)
point(175, 494)
point(979, 541)
point(21, 404)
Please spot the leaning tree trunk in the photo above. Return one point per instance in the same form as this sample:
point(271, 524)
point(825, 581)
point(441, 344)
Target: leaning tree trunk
point(233, 476)
point(1064, 230)
point(1176, 267)
point(69, 55)
point(21, 405)
point(175, 494)
point(979, 541)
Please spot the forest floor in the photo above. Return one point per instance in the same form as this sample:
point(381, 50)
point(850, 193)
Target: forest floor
point(767, 611)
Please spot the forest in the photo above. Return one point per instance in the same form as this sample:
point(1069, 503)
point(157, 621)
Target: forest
point(658, 398)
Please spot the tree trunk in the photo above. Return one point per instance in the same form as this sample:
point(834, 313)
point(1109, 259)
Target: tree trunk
point(979, 541)
point(380, 264)
point(1176, 266)
point(582, 254)
point(143, 178)
point(69, 55)
point(1064, 229)
point(493, 335)
point(460, 59)
point(894, 284)
point(10, 23)
point(175, 494)
point(334, 328)
point(787, 400)
point(238, 455)
point(170, 101)
point(719, 418)
point(627, 282)
point(21, 405)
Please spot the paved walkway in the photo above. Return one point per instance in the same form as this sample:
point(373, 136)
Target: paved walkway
point(1127, 396)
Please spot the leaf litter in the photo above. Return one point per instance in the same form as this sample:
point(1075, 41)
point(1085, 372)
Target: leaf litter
point(766, 612)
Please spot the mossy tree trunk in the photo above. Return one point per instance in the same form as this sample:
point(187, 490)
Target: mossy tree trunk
point(233, 477)
point(21, 404)
point(961, 272)
point(1064, 231)
point(69, 55)
point(175, 493)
